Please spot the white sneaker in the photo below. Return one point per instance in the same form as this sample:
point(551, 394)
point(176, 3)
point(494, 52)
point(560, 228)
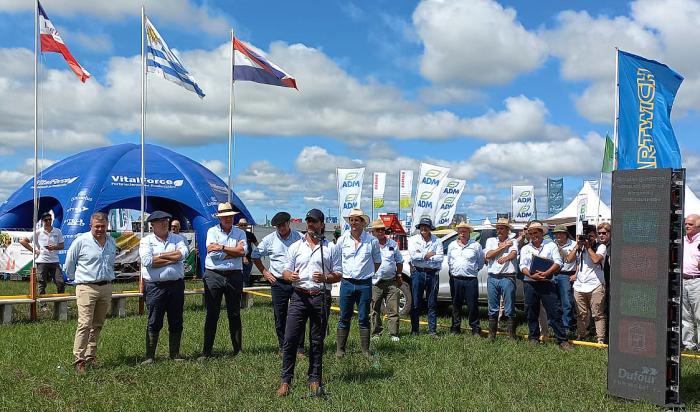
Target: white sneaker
point(395, 339)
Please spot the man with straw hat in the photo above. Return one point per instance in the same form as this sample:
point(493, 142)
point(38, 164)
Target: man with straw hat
point(566, 275)
point(539, 287)
point(501, 253)
point(361, 258)
point(426, 253)
point(386, 282)
point(465, 258)
point(223, 277)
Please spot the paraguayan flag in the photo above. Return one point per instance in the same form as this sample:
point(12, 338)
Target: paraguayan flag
point(161, 60)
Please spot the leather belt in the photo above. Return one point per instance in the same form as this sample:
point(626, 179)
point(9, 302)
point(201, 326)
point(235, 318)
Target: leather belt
point(102, 283)
point(308, 292)
point(502, 275)
point(688, 277)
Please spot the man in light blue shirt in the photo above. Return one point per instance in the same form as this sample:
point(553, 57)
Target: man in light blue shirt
point(361, 259)
point(465, 258)
point(275, 247)
point(90, 263)
point(162, 255)
point(426, 253)
point(223, 277)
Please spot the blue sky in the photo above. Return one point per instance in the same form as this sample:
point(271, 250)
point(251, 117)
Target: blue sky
point(503, 92)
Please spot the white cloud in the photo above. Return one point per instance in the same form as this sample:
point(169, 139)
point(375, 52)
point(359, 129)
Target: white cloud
point(182, 13)
point(474, 42)
point(251, 195)
point(216, 166)
point(11, 180)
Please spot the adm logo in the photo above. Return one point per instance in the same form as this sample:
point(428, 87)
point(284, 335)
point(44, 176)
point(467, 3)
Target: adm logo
point(451, 188)
point(524, 212)
point(351, 180)
point(423, 199)
point(448, 203)
point(350, 201)
point(525, 197)
point(430, 177)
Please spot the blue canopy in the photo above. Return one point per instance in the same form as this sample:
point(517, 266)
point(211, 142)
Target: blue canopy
point(110, 177)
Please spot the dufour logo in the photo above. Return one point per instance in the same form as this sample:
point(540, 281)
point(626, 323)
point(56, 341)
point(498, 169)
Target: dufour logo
point(644, 375)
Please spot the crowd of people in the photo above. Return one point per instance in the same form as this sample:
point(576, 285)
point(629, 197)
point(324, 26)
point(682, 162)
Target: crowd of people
point(566, 277)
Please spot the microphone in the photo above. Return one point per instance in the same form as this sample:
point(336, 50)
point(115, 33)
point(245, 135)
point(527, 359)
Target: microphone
point(318, 236)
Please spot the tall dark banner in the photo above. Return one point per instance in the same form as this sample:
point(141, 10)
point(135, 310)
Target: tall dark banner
point(555, 195)
point(645, 282)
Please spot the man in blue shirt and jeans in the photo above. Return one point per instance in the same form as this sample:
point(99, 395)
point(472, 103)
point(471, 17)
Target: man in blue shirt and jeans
point(426, 253)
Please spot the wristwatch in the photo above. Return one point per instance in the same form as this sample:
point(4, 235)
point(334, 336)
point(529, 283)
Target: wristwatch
point(222, 247)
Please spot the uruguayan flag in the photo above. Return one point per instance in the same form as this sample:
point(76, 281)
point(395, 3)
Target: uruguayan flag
point(161, 60)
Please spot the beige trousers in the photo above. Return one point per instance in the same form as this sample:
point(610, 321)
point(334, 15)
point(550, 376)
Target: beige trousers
point(93, 302)
point(593, 304)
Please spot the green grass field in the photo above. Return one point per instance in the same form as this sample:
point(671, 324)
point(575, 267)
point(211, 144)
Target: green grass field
point(419, 373)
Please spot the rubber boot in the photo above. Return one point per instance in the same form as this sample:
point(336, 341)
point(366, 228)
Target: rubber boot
point(151, 345)
point(341, 339)
point(493, 327)
point(174, 345)
point(364, 343)
point(512, 325)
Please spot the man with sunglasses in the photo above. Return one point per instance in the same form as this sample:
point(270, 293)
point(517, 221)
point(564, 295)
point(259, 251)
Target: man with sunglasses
point(589, 285)
point(312, 263)
point(47, 241)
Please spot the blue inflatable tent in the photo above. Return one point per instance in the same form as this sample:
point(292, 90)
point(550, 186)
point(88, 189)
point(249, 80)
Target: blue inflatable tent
point(109, 178)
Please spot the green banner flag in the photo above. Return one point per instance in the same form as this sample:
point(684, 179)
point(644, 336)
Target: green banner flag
point(608, 156)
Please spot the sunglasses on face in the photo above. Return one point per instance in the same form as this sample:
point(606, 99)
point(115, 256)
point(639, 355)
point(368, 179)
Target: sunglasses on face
point(602, 233)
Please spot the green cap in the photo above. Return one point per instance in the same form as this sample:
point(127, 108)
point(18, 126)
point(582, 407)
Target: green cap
point(560, 229)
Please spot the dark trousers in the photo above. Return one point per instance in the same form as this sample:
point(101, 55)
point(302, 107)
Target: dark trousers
point(301, 308)
point(230, 285)
point(424, 282)
point(282, 292)
point(355, 292)
point(544, 292)
point(49, 272)
point(247, 270)
point(162, 298)
point(465, 289)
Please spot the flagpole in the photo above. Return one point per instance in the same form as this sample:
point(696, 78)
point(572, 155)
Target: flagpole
point(35, 207)
point(143, 140)
point(617, 106)
point(230, 118)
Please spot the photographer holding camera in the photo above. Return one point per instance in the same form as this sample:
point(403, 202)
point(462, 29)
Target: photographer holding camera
point(589, 283)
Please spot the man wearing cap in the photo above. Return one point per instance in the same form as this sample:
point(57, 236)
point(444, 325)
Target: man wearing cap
point(90, 263)
point(386, 283)
point(252, 243)
point(465, 258)
point(361, 258)
point(565, 275)
point(47, 242)
point(162, 255)
point(311, 264)
point(275, 246)
point(539, 287)
point(426, 253)
point(691, 283)
point(501, 252)
point(226, 246)
point(589, 285)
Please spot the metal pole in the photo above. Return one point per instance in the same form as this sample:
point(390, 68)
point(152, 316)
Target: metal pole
point(230, 118)
point(617, 106)
point(143, 142)
point(35, 207)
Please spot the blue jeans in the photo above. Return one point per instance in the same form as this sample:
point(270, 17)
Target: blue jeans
point(544, 292)
point(424, 282)
point(497, 287)
point(355, 292)
point(565, 297)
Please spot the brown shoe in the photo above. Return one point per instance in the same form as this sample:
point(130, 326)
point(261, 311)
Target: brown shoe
point(566, 346)
point(315, 389)
point(80, 368)
point(283, 390)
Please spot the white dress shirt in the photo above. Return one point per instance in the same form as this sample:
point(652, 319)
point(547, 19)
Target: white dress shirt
point(219, 260)
point(391, 255)
point(465, 260)
point(418, 248)
point(276, 249)
point(305, 259)
point(359, 257)
point(151, 246)
point(546, 250)
point(507, 268)
point(591, 274)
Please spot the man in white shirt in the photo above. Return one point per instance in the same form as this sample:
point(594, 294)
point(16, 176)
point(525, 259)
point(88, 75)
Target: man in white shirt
point(223, 277)
point(465, 258)
point(691, 283)
point(162, 255)
point(501, 252)
point(426, 253)
point(361, 259)
point(566, 273)
point(312, 263)
point(275, 247)
point(90, 263)
point(538, 285)
point(386, 283)
point(45, 244)
point(589, 285)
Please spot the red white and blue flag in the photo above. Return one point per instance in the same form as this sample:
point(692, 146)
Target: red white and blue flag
point(251, 64)
point(51, 41)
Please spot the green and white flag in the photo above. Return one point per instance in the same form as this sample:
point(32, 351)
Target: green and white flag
point(608, 156)
point(378, 185)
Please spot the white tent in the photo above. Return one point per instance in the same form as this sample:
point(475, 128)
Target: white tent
point(568, 215)
point(692, 203)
